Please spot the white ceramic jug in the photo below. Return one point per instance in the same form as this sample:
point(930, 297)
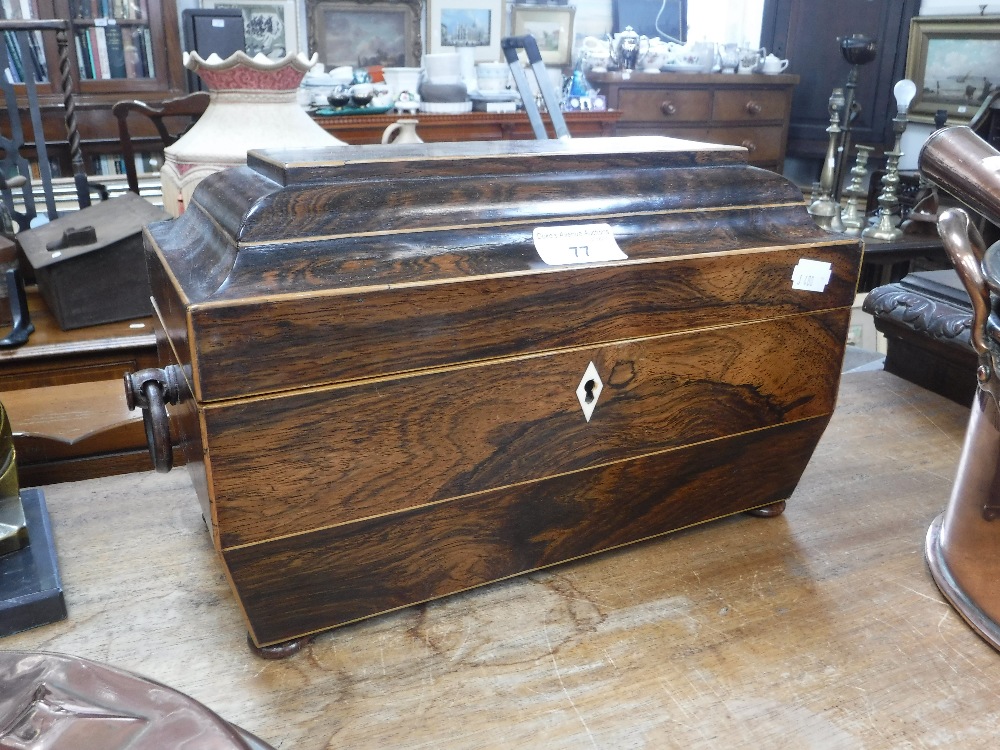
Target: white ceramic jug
point(402, 131)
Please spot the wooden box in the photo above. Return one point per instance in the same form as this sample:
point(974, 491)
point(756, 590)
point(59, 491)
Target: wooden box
point(100, 275)
point(385, 388)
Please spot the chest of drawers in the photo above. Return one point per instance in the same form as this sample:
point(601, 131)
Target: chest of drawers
point(737, 110)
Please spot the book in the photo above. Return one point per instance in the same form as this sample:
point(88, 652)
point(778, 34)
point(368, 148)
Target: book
point(95, 56)
point(133, 67)
point(86, 56)
point(116, 50)
point(102, 52)
point(147, 43)
point(37, 54)
point(15, 64)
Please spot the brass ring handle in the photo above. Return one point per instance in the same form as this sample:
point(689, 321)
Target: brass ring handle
point(749, 145)
point(753, 108)
point(668, 108)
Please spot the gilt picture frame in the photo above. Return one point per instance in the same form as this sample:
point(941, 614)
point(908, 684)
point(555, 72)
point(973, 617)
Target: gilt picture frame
point(955, 63)
point(270, 28)
point(363, 34)
point(466, 23)
point(552, 27)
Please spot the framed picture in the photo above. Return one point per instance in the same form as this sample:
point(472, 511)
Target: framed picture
point(666, 19)
point(955, 62)
point(361, 34)
point(270, 27)
point(466, 23)
point(552, 27)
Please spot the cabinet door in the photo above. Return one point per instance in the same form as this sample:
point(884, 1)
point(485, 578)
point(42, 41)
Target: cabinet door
point(807, 32)
point(118, 44)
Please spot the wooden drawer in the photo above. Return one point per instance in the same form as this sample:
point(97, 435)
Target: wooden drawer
point(666, 105)
point(764, 142)
point(749, 105)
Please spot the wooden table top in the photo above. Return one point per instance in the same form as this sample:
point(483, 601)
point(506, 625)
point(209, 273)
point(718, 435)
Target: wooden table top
point(819, 628)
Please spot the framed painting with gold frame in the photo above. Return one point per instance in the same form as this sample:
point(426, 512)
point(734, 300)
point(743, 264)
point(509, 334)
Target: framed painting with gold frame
point(362, 34)
point(955, 63)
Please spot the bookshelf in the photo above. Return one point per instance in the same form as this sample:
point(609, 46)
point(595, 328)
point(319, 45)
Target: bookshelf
point(118, 49)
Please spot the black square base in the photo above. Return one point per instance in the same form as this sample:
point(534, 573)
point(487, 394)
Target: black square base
point(30, 588)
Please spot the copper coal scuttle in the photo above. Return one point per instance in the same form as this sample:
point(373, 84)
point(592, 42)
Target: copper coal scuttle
point(963, 543)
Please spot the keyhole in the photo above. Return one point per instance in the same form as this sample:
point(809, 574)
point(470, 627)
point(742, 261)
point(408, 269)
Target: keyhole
point(589, 388)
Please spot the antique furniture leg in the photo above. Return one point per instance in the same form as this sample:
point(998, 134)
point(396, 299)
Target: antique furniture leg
point(20, 318)
point(279, 650)
point(768, 511)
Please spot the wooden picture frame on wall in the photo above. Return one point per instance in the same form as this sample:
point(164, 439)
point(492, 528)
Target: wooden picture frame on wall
point(552, 27)
point(955, 63)
point(362, 34)
point(270, 28)
point(466, 23)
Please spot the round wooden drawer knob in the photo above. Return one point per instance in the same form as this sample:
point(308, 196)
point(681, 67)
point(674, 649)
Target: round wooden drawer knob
point(753, 108)
point(668, 108)
point(749, 145)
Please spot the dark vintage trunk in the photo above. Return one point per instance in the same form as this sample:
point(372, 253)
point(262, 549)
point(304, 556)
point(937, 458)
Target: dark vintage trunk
point(384, 383)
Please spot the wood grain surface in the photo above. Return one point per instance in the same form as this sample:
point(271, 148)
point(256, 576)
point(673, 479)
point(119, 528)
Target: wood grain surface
point(820, 628)
point(273, 344)
point(308, 459)
point(310, 582)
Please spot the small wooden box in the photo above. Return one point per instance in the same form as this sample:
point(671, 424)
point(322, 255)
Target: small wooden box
point(100, 281)
point(386, 388)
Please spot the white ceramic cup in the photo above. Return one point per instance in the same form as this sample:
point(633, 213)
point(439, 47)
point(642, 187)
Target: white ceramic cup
point(401, 79)
point(443, 67)
point(492, 76)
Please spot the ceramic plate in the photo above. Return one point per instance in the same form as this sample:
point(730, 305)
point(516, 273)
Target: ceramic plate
point(682, 68)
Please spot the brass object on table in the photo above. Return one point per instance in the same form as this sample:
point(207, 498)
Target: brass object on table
point(963, 543)
point(13, 529)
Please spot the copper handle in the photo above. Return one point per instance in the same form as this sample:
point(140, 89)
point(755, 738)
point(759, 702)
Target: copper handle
point(753, 108)
point(151, 390)
point(668, 108)
point(749, 145)
point(966, 248)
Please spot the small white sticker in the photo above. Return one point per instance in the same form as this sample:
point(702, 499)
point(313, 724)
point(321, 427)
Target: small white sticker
point(100, 22)
point(962, 109)
point(218, 23)
point(583, 243)
point(811, 275)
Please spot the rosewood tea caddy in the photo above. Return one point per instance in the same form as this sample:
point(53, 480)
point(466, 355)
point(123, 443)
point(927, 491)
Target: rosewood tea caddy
point(400, 372)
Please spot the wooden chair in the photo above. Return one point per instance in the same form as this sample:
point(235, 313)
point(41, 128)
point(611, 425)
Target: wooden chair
point(170, 112)
point(18, 40)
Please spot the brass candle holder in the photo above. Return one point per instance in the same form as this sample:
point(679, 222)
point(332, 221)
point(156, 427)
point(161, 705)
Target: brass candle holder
point(887, 229)
point(854, 215)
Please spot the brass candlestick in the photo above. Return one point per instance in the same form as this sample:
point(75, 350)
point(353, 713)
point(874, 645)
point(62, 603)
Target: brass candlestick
point(824, 209)
point(853, 217)
point(888, 200)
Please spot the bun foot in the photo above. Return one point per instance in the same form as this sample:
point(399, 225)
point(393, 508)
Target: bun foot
point(768, 511)
point(279, 650)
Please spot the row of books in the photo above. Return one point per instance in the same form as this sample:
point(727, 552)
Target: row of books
point(125, 9)
point(14, 10)
point(114, 51)
point(146, 162)
point(27, 60)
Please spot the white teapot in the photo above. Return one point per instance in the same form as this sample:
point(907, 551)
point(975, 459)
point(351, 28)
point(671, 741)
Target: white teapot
point(772, 65)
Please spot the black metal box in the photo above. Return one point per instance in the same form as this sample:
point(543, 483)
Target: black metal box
point(89, 265)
